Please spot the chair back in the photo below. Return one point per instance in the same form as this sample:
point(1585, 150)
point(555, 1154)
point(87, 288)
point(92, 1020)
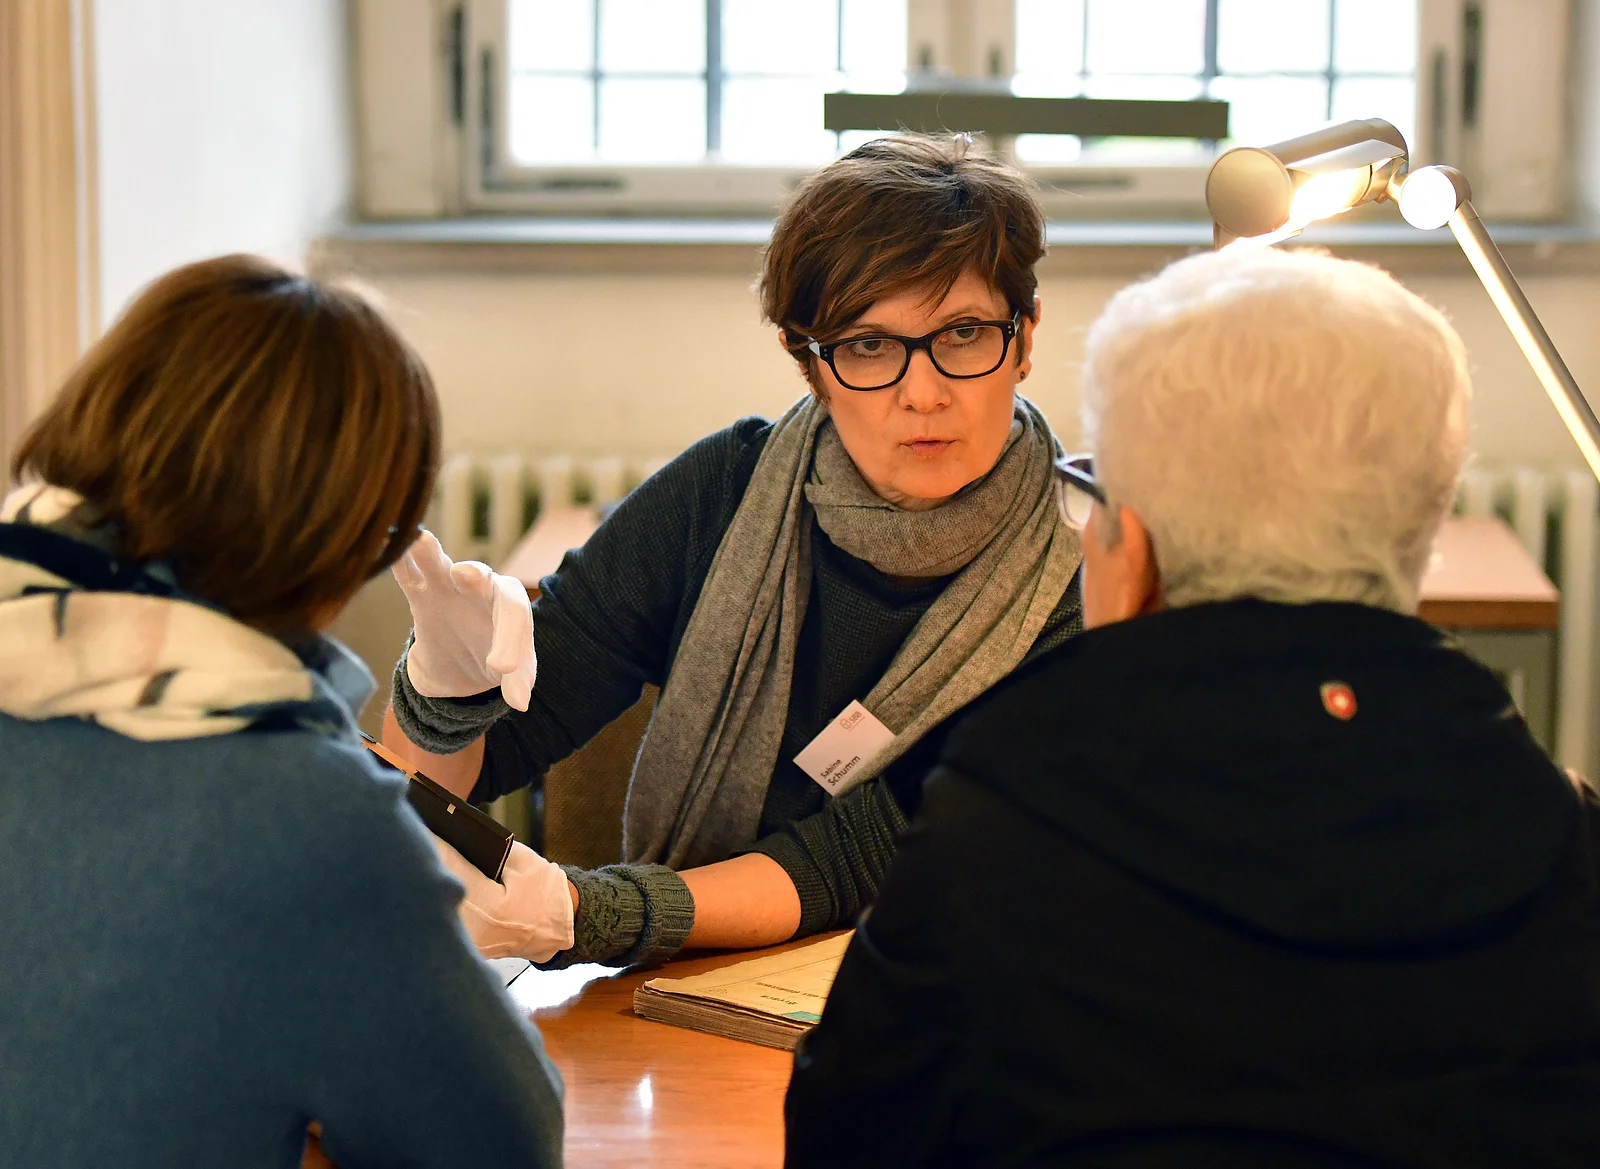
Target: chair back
point(584, 794)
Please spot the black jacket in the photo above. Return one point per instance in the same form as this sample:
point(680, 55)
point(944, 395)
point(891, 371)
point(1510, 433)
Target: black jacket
point(1161, 907)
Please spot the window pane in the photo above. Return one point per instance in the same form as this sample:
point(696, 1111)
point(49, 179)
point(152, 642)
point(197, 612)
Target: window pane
point(1144, 88)
point(850, 139)
point(1050, 43)
point(1152, 36)
point(552, 34)
point(774, 120)
point(1049, 149)
point(870, 83)
point(653, 36)
point(1272, 36)
point(1375, 36)
point(1145, 151)
point(1394, 99)
point(1265, 110)
point(652, 121)
point(874, 48)
point(552, 119)
point(797, 36)
point(1047, 85)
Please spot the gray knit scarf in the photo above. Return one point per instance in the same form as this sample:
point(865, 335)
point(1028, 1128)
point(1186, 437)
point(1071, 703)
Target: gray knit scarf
point(703, 771)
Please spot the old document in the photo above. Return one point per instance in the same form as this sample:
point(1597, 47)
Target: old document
point(772, 1000)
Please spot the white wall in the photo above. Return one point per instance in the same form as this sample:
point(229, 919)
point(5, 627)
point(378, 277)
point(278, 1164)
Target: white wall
point(649, 363)
point(222, 126)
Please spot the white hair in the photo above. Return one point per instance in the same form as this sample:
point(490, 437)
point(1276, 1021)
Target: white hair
point(1287, 425)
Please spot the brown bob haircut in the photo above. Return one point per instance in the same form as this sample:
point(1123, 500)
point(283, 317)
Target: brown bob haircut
point(895, 214)
point(270, 437)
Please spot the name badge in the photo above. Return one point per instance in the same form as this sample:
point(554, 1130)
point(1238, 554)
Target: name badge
point(844, 748)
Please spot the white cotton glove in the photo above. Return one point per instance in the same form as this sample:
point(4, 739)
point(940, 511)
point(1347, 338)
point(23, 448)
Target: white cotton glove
point(526, 914)
point(473, 626)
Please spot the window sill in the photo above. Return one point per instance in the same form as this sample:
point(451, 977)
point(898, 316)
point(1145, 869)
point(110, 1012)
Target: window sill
point(1109, 248)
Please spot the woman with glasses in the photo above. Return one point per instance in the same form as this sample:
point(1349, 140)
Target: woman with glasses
point(815, 596)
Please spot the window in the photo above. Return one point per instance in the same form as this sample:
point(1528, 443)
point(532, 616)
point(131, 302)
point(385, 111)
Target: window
point(692, 81)
point(741, 81)
point(714, 107)
point(1284, 66)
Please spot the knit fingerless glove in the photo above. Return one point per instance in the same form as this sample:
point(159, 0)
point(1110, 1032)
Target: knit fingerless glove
point(628, 915)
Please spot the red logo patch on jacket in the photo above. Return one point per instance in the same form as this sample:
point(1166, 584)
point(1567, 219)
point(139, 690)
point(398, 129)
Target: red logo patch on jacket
point(1339, 700)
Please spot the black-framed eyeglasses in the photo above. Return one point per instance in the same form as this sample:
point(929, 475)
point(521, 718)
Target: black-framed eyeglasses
point(876, 361)
point(1077, 490)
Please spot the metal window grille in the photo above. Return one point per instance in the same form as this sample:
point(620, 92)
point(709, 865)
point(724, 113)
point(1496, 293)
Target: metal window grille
point(714, 75)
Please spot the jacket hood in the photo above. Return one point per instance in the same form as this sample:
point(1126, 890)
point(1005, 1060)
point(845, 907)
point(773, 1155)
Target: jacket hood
point(1405, 805)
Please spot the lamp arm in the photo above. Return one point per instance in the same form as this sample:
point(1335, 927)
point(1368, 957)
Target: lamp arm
point(1495, 275)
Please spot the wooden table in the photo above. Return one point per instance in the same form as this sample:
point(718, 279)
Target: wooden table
point(556, 532)
point(1480, 583)
point(1480, 577)
point(649, 1094)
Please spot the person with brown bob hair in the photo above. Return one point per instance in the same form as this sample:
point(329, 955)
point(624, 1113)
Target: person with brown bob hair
point(201, 861)
point(814, 596)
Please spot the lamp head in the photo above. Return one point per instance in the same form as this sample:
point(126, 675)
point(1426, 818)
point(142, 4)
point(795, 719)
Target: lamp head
point(1430, 196)
point(1275, 191)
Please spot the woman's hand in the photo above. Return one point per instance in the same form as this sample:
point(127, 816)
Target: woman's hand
point(474, 627)
point(526, 914)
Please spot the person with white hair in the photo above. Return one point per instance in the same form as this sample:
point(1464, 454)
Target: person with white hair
point(1261, 869)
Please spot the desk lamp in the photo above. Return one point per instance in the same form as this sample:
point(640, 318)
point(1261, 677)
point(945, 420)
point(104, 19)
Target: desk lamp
point(1260, 195)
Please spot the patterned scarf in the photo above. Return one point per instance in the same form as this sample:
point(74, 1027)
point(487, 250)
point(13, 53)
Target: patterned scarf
point(85, 634)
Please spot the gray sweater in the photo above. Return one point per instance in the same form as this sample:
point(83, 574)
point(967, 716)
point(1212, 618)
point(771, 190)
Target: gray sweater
point(611, 619)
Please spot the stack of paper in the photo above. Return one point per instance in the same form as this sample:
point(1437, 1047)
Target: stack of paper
point(772, 1000)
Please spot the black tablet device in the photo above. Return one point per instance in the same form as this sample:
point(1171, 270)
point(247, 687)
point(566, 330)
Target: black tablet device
point(479, 837)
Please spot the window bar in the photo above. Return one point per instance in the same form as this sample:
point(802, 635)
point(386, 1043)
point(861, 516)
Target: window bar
point(1209, 68)
point(1083, 50)
point(713, 78)
point(594, 77)
point(1209, 73)
point(838, 63)
point(1333, 31)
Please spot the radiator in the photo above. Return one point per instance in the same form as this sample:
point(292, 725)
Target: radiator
point(1555, 514)
point(486, 503)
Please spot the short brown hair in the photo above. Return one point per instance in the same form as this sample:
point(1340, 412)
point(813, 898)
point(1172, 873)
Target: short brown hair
point(270, 437)
point(897, 213)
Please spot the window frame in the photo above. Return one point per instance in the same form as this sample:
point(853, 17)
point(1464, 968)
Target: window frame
point(493, 183)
